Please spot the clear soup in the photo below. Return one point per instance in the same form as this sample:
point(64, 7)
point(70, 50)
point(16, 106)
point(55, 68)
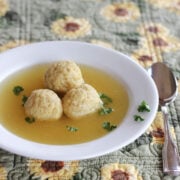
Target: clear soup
point(12, 115)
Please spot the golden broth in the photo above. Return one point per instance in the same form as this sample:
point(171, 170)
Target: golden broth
point(12, 115)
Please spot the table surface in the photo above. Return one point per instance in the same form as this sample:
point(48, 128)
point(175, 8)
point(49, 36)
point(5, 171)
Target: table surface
point(146, 30)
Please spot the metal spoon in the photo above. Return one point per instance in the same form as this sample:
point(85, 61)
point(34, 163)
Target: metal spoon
point(167, 88)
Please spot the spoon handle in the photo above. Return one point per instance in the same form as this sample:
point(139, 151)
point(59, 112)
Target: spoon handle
point(170, 155)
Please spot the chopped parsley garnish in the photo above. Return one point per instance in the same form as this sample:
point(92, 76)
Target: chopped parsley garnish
point(105, 99)
point(143, 107)
point(105, 110)
point(24, 99)
point(72, 129)
point(29, 119)
point(108, 126)
point(17, 90)
point(138, 118)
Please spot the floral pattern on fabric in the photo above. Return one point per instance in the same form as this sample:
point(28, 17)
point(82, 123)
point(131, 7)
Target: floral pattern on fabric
point(146, 30)
point(71, 28)
point(3, 173)
point(3, 7)
point(156, 40)
point(156, 130)
point(12, 44)
point(121, 12)
point(153, 29)
point(116, 171)
point(165, 43)
point(53, 169)
point(173, 6)
point(144, 57)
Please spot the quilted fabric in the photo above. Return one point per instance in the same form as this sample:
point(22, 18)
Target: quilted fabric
point(146, 30)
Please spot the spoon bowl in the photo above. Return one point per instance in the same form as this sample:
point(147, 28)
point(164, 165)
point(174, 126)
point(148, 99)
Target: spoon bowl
point(166, 83)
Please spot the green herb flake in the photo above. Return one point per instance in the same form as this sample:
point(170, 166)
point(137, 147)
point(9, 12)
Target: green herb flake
point(17, 90)
point(143, 107)
point(105, 111)
point(71, 129)
point(108, 126)
point(138, 118)
point(24, 99)
point(30, 119)
point(106, 99)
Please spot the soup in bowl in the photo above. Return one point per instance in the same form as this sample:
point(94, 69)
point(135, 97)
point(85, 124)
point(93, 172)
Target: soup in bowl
point(120, 84)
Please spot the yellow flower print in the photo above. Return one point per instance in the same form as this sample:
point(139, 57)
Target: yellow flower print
point(165, 43)
point(157, 129)
point(156, 41)
point(173, 6)
point(144, 57)
point(71, 28)
point(12, 44)
point(121, 12)
point(3, 173)
point(153, 29)
point(3, 7)
point(101, 43)
point(119, 171)
point(53, 170)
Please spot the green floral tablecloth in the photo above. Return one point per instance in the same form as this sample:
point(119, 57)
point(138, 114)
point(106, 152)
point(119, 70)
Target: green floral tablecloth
point(146, 30)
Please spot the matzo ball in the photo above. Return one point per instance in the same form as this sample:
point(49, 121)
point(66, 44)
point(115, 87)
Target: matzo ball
point(63, 76)
point(81, 101)
point(43, 104)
